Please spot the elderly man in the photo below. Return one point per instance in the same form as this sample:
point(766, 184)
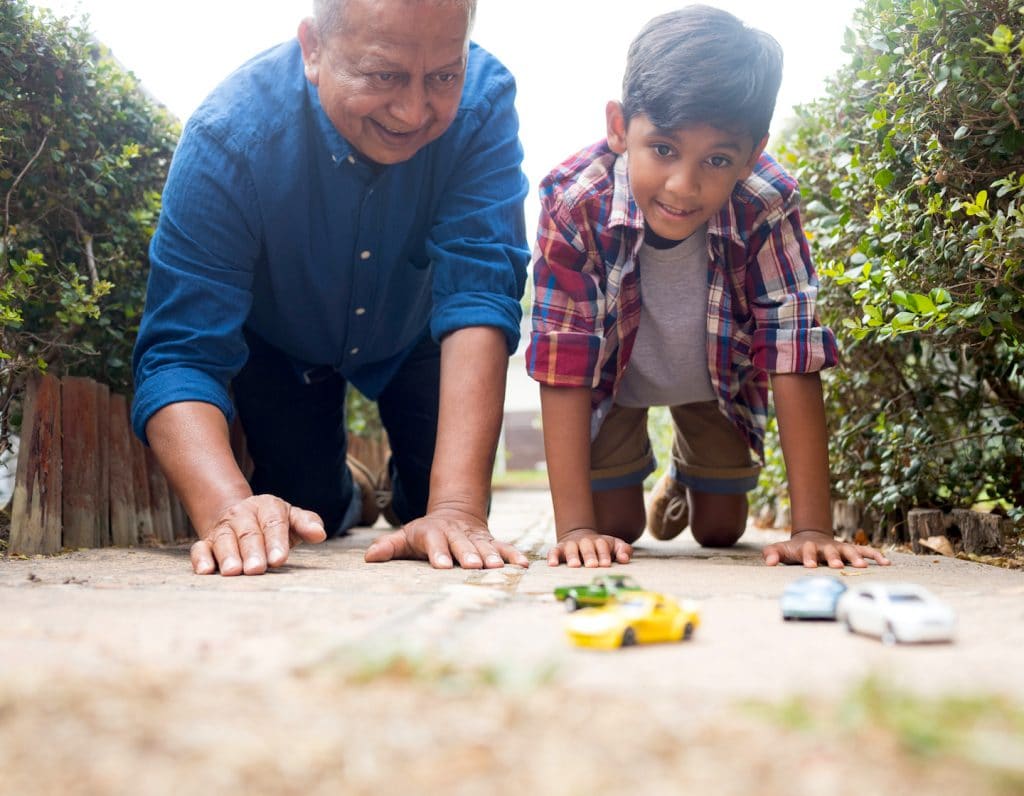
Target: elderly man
point(344, 208)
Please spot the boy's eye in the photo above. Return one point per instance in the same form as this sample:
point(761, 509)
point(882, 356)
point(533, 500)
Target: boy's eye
point(662, 150)
point(719, 161)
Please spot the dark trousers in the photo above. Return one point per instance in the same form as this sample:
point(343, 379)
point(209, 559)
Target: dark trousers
point(297, 433)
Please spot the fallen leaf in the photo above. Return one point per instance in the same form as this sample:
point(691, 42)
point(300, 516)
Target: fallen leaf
point(938, 544)
point(861, 537)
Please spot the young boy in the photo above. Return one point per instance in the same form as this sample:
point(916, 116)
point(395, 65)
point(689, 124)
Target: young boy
point(671, 270)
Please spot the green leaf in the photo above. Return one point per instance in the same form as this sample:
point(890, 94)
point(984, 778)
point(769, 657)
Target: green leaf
point(884, 178)
point(961, 132)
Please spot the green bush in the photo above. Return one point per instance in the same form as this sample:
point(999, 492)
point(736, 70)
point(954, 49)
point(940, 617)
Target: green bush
point(912, 169)
point(83, 157)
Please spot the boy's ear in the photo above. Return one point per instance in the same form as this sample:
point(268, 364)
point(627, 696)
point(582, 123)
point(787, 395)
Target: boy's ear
point(616, 127)
point(309, 41)
point(752, 160)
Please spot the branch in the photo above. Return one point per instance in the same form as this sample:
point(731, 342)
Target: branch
point(14, 185)
point(89, 256)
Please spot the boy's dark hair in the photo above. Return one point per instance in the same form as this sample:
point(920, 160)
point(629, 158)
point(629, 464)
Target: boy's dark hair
point(702, 65)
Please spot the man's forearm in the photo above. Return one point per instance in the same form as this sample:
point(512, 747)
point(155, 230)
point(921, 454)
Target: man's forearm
point(474, 364)
point(191, 442)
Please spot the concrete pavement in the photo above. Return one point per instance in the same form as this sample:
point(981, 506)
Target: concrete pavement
point(102, 616)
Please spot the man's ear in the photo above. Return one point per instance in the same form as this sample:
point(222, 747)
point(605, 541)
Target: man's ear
point(752, 160)
point(616, 126)
point(309, 41)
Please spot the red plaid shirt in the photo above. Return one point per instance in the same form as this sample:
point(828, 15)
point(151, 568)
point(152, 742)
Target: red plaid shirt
point(762, 287)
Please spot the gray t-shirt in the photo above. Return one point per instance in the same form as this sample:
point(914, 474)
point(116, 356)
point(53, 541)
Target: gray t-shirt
point(669, 362)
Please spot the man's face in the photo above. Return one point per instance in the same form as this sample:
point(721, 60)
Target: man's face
point(391, 78)
point(680, 178)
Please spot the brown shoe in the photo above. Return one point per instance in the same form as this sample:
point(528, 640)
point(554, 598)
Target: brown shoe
point(367, 488)
point(376, 492)
point(669, 511)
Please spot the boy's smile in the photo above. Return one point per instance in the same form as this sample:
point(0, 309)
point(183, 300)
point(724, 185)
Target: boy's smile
point(680, 178)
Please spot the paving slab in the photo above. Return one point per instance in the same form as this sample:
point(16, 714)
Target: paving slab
point(133, 621)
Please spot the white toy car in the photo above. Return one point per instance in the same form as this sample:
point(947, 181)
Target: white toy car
point(895, 612)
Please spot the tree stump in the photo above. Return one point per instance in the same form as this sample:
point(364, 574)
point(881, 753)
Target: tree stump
point(923, 523)
point(846, 518)
point(982, 533)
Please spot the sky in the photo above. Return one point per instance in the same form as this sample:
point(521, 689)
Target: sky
point(567, 55)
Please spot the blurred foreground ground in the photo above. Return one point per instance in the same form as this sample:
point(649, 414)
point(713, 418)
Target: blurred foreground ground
point(122, 673)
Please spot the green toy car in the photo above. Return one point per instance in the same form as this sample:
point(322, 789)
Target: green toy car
point(598, 592)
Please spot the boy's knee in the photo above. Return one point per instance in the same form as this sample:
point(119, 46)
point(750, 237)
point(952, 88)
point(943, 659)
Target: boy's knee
point(717, 534)
point(629, 534)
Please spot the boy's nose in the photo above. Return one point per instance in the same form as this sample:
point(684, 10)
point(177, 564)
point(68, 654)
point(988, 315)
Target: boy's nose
point(683, 182)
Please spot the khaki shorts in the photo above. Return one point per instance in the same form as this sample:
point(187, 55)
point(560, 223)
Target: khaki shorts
point(708, 453)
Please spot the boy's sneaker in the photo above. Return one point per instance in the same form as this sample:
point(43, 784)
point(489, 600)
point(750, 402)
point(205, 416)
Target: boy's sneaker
point(669, 511)
point(375, 490)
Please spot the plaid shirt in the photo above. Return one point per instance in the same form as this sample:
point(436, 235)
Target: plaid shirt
point(762, 288)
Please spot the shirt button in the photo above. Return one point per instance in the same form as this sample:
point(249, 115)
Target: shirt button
point(360, 310)
point(351, 159)
point(354, 351)
point(364, 255)
point(335, 158)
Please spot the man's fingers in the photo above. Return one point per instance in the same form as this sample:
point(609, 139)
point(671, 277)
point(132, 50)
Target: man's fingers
point(512, 554)
point(225, 550)
point(465, 552)
point(274, 520)
point(388, 547)
point(307, 525)
point(203, 562)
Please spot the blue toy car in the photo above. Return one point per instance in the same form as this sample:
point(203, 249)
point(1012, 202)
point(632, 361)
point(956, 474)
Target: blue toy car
point(812, 597)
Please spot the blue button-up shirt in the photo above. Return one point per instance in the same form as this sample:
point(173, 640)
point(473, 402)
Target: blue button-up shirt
point(272, 221)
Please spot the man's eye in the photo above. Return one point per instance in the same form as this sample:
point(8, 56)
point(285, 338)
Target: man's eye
point(386, 77)
point(446, 77)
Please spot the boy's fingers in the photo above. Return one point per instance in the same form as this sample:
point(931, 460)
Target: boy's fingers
point(810, 555)
point(770, 555)
point(832, 556)
point(623, 551)
point(875, 555)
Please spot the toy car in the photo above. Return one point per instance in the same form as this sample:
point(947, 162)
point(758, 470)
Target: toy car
point(812, 597)
point(597, 592)
point(901, 612)
point(633, 617)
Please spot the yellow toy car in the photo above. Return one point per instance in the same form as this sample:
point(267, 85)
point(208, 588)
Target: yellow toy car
point(635, 617)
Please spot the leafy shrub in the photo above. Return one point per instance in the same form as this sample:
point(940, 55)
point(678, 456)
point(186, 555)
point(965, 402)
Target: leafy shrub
point(912, 169)
point(83, 157)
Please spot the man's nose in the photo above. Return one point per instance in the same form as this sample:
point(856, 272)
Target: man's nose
point(410, 106)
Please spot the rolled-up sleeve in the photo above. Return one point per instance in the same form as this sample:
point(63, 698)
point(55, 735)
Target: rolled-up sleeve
point(199, 293)
point(782, 287)
point(477, 245)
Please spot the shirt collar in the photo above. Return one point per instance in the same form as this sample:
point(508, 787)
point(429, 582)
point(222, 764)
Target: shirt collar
point(336, 144)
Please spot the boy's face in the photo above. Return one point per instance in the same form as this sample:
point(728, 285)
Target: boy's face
point(680, 178)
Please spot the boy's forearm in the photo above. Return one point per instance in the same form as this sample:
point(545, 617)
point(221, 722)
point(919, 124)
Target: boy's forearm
point(803, 433)
point(566, 421)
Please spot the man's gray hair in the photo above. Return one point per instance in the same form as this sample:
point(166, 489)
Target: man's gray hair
point(330, 13)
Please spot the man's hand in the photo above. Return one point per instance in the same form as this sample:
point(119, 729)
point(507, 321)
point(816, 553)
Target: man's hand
point(253, 534)
point(595, 549)
point(810, 547)
point(443, 535)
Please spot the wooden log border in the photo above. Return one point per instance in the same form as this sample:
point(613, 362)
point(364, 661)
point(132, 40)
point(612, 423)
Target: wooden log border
point(83, 478)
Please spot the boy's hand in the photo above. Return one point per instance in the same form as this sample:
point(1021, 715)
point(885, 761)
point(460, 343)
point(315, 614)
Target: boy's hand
point(595, 549)
point(810, 547)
